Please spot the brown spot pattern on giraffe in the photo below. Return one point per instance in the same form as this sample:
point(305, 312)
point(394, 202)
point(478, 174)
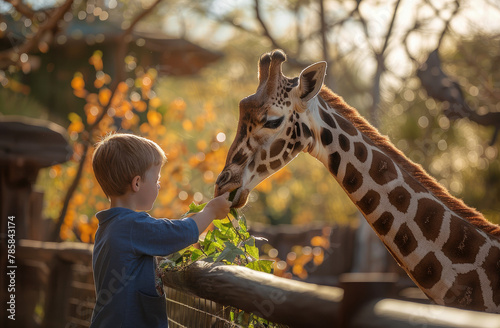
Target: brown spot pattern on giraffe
point(263, 154)
point(414, 184)
point(428, 271)
point(429, 217)
point(286, 155)
point(277, 147)
point(334, 163)
point(326, 137)
point(466, 292)
point(369, 202)
point(297, 129)
point(492, 269)
point(384, 223)
point(307, 131)
point(346, 125)
point(262, 169)
point(322, 102)
point(344, 143)
point(360, 151)
point(405, 240)
point(240, 158)
point(275, 164)
point(399, 197)
point(464, 244)
point(297, 148)
point(352, 179)
point(382, 169)
point(327, 118)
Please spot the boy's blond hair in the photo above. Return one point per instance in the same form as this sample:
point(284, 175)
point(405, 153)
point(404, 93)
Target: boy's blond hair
point(120, 157)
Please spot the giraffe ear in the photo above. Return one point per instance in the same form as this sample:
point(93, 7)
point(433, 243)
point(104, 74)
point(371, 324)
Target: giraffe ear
point(311, 80)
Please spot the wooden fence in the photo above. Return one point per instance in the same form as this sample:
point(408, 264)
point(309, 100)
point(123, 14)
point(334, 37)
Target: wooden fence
point(55, 283)
point(361, 302)
point(56, 286)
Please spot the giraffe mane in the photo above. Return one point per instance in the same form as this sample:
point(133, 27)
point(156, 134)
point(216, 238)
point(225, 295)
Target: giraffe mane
point(454, 204)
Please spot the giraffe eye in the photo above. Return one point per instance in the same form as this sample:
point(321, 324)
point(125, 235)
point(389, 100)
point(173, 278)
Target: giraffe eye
point(274, 124)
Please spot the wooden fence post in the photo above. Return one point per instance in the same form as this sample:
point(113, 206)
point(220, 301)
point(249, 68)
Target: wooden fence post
point(57, 294)
point(360, 288)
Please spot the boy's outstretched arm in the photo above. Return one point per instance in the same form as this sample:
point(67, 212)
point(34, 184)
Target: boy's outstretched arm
point(216, 209)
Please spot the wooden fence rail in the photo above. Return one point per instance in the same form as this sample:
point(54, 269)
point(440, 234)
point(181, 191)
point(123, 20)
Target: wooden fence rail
point(394, 313)
point(279, 300)
point(62, 272)
point(297, 304)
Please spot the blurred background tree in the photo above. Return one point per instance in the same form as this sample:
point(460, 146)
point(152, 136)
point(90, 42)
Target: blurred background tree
point(374, 50)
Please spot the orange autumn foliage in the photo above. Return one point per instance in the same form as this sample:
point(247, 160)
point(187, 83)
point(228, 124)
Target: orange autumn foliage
point(193, 163)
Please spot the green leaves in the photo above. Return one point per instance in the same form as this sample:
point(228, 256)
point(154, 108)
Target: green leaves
point(251, 249)
point(194, 208)
point(230, 253)
point(196, 254)
point(261, 265)
point(230, 243)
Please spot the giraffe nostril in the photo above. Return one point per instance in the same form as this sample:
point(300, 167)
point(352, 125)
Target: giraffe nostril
point(223, 178)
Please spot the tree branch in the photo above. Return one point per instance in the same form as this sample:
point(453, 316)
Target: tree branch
point(22, 8)
point(391, 26)
point(447, 22)
point(11, 56)
point(380, 58)
point(265, 30)
point(365, 28)
point(87, 135)
point(298, 29)
point(323, 29)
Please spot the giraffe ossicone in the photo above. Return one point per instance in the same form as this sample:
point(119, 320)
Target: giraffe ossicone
point(449, 250)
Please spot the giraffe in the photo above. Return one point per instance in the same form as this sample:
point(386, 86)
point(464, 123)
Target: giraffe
point(449, 250)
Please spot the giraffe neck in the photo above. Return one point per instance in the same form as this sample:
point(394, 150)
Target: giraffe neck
point(452, 260)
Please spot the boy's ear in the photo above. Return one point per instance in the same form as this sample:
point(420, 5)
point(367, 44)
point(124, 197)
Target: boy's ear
point(136, 183)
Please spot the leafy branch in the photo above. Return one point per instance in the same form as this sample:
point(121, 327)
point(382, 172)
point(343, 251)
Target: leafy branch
point(230, 243)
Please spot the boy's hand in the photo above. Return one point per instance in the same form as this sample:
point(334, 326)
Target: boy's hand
point(218, 207)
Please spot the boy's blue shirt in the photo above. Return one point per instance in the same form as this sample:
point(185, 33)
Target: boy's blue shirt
point(123, 264)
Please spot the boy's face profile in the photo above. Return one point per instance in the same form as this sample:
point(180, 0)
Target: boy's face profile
point(147, 188)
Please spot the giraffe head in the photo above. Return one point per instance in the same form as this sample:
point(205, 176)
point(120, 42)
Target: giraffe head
point(273, 126)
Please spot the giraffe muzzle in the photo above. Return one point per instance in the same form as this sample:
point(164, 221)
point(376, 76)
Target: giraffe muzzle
point(223, 179)
point(226, 183)
point(229, 182)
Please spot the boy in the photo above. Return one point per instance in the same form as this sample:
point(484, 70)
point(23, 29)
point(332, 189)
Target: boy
point(127, 168)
